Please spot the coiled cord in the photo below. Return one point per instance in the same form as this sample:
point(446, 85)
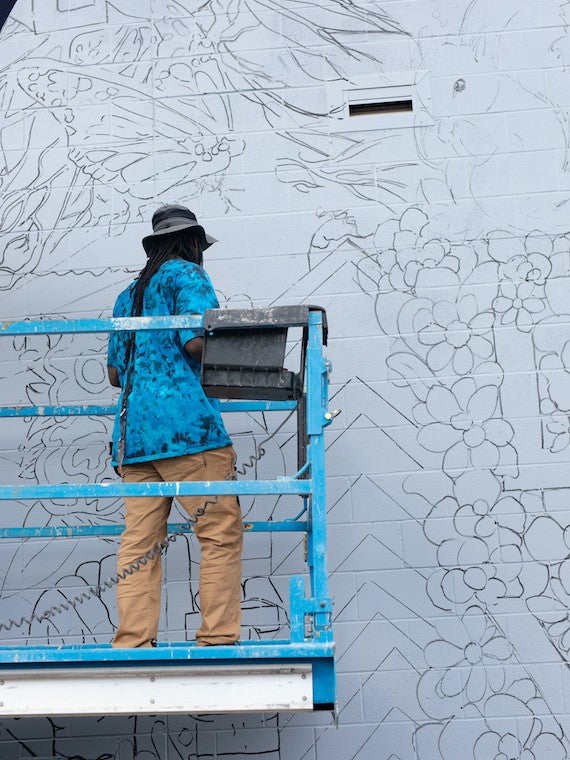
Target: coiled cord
point(157, 549)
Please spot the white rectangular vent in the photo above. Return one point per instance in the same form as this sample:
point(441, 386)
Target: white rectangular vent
point(383, 101)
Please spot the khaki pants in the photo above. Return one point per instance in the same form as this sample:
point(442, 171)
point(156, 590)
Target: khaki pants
point(219, 531)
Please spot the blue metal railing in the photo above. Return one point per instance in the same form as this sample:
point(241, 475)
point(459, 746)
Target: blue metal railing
point(310, 616)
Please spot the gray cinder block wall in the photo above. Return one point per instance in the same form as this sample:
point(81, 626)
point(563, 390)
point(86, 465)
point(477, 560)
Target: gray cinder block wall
point(438, 241)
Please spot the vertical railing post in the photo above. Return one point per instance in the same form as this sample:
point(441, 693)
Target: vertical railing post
point(317, 400)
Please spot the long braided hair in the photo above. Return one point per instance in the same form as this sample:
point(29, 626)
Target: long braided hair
point(183, 245)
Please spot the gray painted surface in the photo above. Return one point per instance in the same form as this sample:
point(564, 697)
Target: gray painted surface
point(440, 248)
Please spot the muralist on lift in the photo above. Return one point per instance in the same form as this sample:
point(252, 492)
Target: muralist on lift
point(167, 429)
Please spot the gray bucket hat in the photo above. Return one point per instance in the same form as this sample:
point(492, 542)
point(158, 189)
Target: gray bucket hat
point(170, 219)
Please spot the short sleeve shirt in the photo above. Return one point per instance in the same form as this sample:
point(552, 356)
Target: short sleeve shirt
point(167, 411)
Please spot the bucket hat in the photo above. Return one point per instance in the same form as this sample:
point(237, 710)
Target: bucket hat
point(167, 220)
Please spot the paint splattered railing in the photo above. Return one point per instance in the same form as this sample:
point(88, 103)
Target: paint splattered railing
point(292, 674)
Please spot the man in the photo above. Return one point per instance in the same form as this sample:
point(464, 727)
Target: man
point(167, 429)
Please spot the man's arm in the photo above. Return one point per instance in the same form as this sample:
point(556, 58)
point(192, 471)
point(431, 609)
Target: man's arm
point(193, 348)
point(113, 376)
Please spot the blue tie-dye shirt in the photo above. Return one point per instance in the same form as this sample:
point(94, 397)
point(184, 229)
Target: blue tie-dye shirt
point(168, 413)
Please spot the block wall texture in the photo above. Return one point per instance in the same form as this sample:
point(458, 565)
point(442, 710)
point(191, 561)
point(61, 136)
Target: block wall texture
point(439, 243)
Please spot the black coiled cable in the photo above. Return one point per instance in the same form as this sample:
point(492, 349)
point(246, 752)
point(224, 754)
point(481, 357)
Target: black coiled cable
point(157, 549)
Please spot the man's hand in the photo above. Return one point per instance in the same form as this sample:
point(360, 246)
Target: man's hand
point(113, 376)
point(194, 348)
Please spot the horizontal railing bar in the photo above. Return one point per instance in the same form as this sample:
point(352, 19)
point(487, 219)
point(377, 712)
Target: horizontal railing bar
point(57, 411)
point(168, 654)
point(197, 488)
point(109, 410)
point(257, 406)
point(70, 531)
point(113, 324)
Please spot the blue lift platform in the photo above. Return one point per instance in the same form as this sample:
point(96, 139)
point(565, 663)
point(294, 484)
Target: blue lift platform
point(268, 675)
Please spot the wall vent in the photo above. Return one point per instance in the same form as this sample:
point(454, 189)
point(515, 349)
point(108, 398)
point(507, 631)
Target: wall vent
point(392, 100)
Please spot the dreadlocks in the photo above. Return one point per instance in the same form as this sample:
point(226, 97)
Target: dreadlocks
point(184, 245)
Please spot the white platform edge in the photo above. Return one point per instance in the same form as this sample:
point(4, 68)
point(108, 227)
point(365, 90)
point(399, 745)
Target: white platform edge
point(154, 690)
